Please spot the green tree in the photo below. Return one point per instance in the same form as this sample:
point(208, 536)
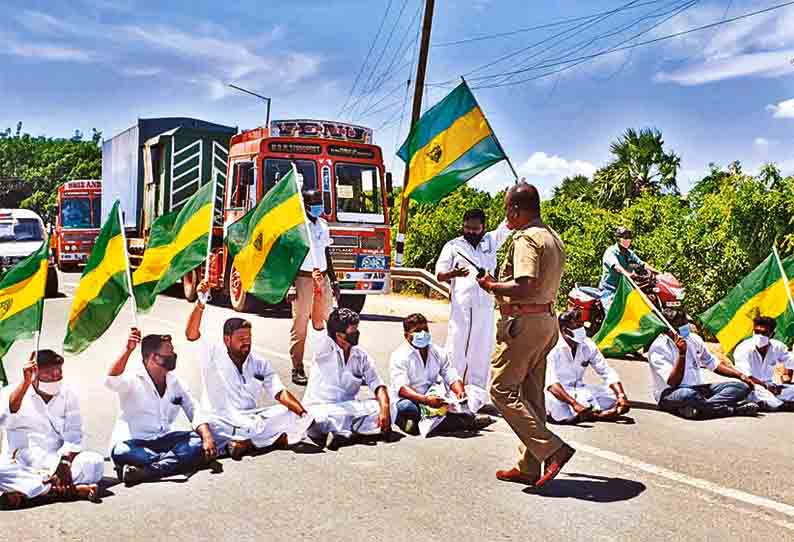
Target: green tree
point(577, 187)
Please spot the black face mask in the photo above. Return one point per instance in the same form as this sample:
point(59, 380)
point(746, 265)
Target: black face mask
point(353, 337)
point(167, 362)
point(473, 238)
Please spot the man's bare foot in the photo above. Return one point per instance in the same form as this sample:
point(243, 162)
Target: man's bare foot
point(15, 500)
point(239, 448)
point(87, 492)
point(281, 442)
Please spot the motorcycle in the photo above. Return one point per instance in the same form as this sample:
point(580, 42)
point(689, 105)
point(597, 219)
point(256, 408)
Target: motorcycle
point(662, 290)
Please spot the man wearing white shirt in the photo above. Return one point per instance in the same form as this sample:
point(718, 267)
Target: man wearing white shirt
point(145, 444)
point(568, 398)
point(757, 357)
point(422, 379)
point(311, 294)
point(470, 340)
point(339, 369)
point(675, 360)
point(235, 379)
point(44, 453)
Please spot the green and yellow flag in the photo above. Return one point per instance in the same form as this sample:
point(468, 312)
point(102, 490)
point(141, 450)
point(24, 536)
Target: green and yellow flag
point(177, 244)
point(22, 300)
point(271, 241)
point(630, 324)
point(451, 143)
point(761, 293)
point(103, 287)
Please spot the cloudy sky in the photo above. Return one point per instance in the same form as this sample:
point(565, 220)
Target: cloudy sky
point(718, 95)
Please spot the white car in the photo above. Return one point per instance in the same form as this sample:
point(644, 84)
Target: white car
point(21, 234)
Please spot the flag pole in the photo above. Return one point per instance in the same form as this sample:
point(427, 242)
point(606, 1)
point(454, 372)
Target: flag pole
point(133, 305)
point(785, 278)
point(490, 129)
point(41, 313)
point(312, 251)
point(653, 307)
point(212, 225)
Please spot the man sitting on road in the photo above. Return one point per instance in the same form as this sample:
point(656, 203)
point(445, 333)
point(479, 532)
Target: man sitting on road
point(757, 358)
point(619, 260)
point(675, 360)
point(145, 445)
point(44, 432)
point(568, 398)
point(422, 378)
point(234, 379)
point(339, 369)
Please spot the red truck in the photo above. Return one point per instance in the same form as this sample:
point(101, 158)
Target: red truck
point(335, 158)
point(77, 222)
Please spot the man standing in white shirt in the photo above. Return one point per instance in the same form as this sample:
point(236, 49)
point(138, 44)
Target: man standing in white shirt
point(675, 360)
point(470, 341)
point(235, 379)
point(568, 398)
point(339, 369)
point(41, 416)
point(757, 357)
point(145, 444)
point(311, 293)
point(424, 384)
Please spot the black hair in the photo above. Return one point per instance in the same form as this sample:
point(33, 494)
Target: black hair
point(676, 317)
point(474, 214)
point(573, 315)
point(765, 321)
point(340, 320)
point(412, 320)
point(233, 324)
point(48, 358)
point(151, 344)
point(525, 197)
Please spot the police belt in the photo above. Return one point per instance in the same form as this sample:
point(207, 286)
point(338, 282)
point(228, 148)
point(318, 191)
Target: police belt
point(526, 308)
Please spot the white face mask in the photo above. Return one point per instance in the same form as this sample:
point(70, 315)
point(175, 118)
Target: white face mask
point(578, 335)
point(760, 341)
point(50, 388)
point(421, 339)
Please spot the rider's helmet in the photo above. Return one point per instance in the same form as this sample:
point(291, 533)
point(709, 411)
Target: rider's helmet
point(623, 233)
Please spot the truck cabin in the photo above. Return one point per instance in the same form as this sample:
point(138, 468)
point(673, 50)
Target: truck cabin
point(80, 205)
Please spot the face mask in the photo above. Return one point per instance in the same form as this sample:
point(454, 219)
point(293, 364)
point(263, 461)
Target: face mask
point(683, 331)
point(473, 238)
point(50, 388)
point(315, 210)
point(760, 341)
point(577, 335)
point(353, 337)
point(167, 362)
point(420, 339)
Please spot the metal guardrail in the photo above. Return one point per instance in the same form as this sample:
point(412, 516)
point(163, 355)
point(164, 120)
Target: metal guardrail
point(420, 275)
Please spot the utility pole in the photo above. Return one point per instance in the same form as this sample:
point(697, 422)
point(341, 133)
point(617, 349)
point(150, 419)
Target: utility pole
point(267, 119)
point(419, 85)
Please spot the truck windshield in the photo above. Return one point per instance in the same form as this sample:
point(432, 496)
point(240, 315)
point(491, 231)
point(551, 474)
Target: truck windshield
point(275, 169)
point(358, 193)
point(76, 213)
point(24, 229)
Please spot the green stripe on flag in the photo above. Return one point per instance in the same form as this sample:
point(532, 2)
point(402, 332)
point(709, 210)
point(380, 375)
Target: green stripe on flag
point(23, 325)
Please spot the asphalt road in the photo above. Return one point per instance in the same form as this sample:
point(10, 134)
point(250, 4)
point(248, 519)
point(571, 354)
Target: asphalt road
point(658, 478)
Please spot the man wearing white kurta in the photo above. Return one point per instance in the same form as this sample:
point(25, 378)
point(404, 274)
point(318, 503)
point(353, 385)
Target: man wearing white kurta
point(339, 369)
point(568, 398)
point(43, 453)
point(470, 338)
point(427, 393)
point(235, 380)
point(757, 357)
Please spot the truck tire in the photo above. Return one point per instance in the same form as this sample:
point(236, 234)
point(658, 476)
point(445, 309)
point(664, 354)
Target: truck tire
point(51, 288)
point(190, 285)
point(354, 302)
point(239, 299)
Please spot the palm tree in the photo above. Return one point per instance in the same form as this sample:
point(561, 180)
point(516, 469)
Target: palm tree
point(577, 187)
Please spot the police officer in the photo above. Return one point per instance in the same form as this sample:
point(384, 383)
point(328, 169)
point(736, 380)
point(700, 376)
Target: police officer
point(525, 292)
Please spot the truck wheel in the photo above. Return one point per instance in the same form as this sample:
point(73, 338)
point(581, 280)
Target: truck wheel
point(354, 302)
point(51, 288)
point(190, 285)
point(239, 299)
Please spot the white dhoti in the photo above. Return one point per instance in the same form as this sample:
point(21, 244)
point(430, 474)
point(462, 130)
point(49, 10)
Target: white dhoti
point(597, 396)
point(345, 418)
point(29, 470)
point(262, 426)
point(470, 342)
point(772, 401)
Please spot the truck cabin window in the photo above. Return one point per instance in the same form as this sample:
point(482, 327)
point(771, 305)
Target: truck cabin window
point(23, 229)
point(275, 169)
point(358, 192)
point(243, 194)
point(96, 212)
point(76, 213)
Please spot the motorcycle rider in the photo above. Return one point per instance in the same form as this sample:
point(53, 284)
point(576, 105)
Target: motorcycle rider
point(618, 260)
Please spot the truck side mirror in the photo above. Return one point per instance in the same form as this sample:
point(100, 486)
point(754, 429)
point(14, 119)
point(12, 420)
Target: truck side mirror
point(389, 189)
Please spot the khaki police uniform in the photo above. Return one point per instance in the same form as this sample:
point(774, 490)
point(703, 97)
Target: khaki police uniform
point(525, 334)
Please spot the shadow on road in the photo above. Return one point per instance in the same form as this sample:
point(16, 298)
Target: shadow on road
point(639, 405)
point(586, 487)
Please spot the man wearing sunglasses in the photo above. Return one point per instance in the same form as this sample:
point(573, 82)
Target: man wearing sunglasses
point(146, 445)
point(568, 399)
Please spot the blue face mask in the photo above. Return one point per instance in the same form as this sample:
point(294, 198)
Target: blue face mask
point(420, 339)
point(316, 210)
point(683, 331)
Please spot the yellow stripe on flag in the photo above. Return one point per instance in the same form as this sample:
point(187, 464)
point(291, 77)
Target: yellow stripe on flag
point(24, 294)
point(91, 285)
point(446, 147)
point(771, 302)
point(287, 215)
point(157, 260)
point(636, 309)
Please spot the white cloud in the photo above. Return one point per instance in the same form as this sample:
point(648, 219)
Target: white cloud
point(141, 71)
point(762, 142)
point(770, 64)
point(782, 110)
point(47, 52)
point(542, 165)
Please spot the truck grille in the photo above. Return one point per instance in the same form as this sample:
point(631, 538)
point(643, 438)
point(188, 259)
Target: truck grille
point(345, 241)
point(345, 261)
